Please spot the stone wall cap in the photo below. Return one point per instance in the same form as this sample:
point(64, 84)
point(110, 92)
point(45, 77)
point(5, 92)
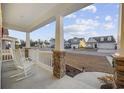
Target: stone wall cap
point(118, 58)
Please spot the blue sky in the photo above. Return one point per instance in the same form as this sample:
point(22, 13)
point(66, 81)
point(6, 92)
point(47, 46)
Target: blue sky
point(94, 20)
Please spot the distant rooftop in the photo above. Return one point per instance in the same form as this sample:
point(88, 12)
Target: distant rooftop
point(75, 40)
point(103, 39)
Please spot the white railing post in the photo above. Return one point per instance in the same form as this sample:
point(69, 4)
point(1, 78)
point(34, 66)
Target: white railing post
point(6, 55)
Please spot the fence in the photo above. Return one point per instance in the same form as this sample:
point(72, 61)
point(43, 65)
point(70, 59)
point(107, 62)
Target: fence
point(6, 55)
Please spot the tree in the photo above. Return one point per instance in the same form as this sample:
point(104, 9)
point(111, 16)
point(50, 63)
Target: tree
point(32, 43)
point(22, 43)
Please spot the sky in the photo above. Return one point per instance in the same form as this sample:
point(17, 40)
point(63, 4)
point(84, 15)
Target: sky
point(94, 20)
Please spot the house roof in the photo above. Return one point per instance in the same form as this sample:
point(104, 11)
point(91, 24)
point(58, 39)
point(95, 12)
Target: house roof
point(105, 39)
point(91, 40)
point(66, 43)
point(75, 40)
point(9, 38)
point(52, 40)
point(6, 35)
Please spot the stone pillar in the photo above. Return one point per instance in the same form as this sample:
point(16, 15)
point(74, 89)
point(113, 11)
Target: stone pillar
point(58, 64)
point(58, 53)
point(119, 71)
point(119, 56)
point(27, 52)
point(27, 44)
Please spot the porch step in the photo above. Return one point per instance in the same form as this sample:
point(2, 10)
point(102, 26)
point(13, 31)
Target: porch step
point(90, 78)
point(69, 83)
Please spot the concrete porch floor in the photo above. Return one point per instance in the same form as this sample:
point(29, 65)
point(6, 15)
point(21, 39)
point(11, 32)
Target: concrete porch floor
point(41, 79)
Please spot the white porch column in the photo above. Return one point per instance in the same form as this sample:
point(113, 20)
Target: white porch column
point(27, 44)
point(27, 39)
point(121, 31)
point(119, 58)
point(58, 54)
point(59, 35)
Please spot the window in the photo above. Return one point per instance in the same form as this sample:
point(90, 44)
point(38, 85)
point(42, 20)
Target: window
point(75, 40)
point(101, 39)
point(109, 38)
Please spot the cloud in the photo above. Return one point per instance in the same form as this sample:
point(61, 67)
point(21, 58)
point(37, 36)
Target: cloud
point(110, 22)
point(97, 17)
point(87, 27)
point(108, 26)
point(88, 23)
point(82, 28)
point(117, 5)
point(116, 15)
point(108, 18)
point(91, 8)
point(116, 19)
point(71, 16)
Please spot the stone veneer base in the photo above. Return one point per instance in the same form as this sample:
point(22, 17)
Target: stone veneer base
point(27, 52)
point(58, 64)
point(119, 71)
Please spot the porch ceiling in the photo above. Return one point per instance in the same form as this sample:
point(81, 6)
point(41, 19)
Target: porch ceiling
point(29, 17)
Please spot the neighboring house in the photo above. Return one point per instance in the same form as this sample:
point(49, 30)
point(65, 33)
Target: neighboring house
point(67, 44)
point(46, 44)
point(82, 43)
point(52, 42)
point(77, 42)
point(102, 42)
point(91, 43)
point(71, 43)
point(7, 41)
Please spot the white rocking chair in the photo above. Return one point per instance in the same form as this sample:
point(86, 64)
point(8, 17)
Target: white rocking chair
point(25, 64)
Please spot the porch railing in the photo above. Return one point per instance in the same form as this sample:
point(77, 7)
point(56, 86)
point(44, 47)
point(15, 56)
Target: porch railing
point(6, 55)
point(42, 58)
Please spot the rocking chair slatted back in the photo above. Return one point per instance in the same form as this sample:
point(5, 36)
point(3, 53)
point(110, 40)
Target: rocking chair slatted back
point(22, 63)
point(18, 58)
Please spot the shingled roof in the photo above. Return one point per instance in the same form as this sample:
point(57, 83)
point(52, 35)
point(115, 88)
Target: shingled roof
point(105, 39)
point(75, 40)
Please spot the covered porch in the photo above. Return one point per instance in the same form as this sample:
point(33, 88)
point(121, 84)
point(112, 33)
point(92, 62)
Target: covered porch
point(41, 79)
point(52, 73)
